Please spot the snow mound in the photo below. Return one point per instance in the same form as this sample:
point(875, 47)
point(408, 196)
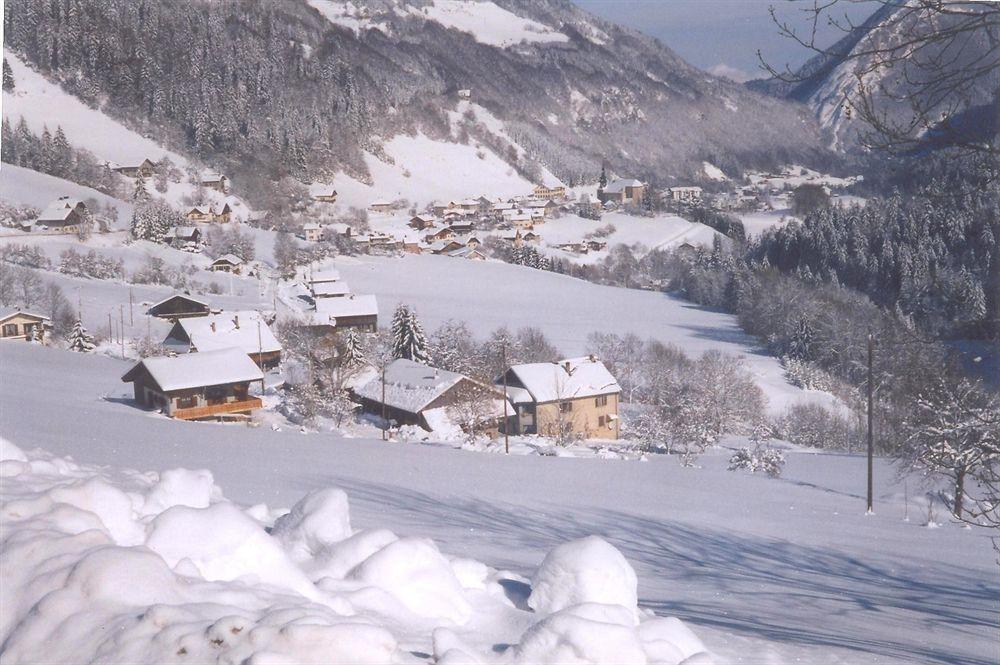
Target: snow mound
point(113, 565)
point(318, 520)
point(588, 570)
point(417, 574)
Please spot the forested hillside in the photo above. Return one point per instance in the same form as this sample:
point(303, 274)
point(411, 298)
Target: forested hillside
point(271, 88)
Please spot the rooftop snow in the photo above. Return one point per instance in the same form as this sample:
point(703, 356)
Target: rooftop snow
point(232, 329)
point(409, 386)
point(321, 276)
point(328, 289)
point(568, 379)
point(195, 370)
point(351, 305)
point(618, 185)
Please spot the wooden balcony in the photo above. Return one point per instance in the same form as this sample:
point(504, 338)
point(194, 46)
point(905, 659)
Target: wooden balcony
point(211, 410)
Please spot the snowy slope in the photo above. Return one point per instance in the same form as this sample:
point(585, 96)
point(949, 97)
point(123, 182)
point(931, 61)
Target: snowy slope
point(26, 187)
point(763, 570)
point(488, 23)
point(44, 104)
point(490, 294)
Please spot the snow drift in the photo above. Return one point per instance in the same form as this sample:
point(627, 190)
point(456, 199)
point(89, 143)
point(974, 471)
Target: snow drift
point(108, 565)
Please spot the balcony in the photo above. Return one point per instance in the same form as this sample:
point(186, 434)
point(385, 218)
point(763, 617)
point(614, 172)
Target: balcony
point(198, 412)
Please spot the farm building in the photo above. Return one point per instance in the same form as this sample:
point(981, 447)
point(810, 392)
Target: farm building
point(622, 190)
point(227, 263)
point(685, 194)
point(576, 395)
point(246, 330)
point(325, 194)
point(195, 386)
point(179, 307)
point(431, 398)
point(350, 311)
point(64, 214)
point(145, 168)
point(18, 324)
point(216, 181)
point(180, 236)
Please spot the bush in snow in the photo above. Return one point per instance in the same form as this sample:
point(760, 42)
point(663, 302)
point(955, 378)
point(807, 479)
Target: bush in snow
point(815, 426)
point(588, 570)
point(769, 460)
point(90, 264)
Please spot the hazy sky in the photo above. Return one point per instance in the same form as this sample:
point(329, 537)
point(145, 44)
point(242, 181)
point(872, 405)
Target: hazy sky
point(708, 33)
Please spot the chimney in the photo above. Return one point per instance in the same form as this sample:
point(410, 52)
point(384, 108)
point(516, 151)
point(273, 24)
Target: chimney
point(236, 320)
point(212, 325)
point(593, 358)
point(566, 366)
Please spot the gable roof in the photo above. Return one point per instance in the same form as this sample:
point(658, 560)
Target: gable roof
point(10, 313)
point(201, 210)
point(182, 232)
point(409, 386)
point(327, 289)
point(59, 210)
point(571, 378)
point(320, 276)
point(211, 176)
point(618, 185)
point(196, 370)
point(189, 299)
point(228, 258)
point(349, 305)
point(226, 334)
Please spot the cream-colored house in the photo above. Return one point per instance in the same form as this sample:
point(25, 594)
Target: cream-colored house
point(18, 324)
point(575, 396)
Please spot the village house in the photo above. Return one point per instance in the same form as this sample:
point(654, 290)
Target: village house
point(546, 207)
point(331, 231)
point(467, 253)
point(216, 181)
point(351, 311)
point(201, 213)
point(576, 396)
point(421, 222)
point(445, 246)
point(462, 226)
point(329, 290)
point(325, 195)
point(381, 206)
point(498, 209)
point(323, 276)
point(622, 190)
point(445, 233)
point(544, 192)
point(182, 236)
point(227, 263)
point(518, 238)
point(574, 247)
point(65, 215)
point(520, 220)
point(223, 214)
point(196, 386)
point(465, 94)
point(438, 208)
point(19, 324)
point(312, 232)
point(685, 194)
point(595, 245)
point(431, 398)
point(146, 168)
point(178, 307)
point(246, 330)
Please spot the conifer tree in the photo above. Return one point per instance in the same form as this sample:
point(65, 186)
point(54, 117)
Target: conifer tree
point(602, 182)
point(354, 353)
point(80, 340)
point(408, 338)
point(8, 77)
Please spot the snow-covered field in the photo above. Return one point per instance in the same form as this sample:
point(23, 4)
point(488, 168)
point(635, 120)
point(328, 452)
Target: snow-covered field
point(490, 294)
point(762, 570)
point(26, 187)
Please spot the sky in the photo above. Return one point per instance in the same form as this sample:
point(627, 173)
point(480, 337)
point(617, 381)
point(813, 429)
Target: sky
point(723, 35)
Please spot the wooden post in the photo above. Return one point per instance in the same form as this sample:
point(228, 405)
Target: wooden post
point(260, 355)
point(385, 415)
point(111, 330)
point(506, 433)
point(121, 329)
point(131, 306)
point(871, 420)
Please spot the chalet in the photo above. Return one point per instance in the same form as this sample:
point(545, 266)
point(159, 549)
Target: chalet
point(686, 249)
point(381, 206)
point(521, 220)
point(201, 213)
point(195, 386)
point(439, 208)
point(312, 232)
point(329, 290)
point(537, 216)
point(145, 168)
point(431, 398)
point(182, 236)
point(595, 245)
point(421, 222)
point(467, 206)
point(323, 276)
point(498, 209)
point(351, 311)
point(685, 194)
point(227, 263)
point(543, 192)
point(18, 324)
point(484, 204)
point(622, 190)
point(577, 395)
point(245, 330)
point(64, 214)
point(223, 214)
point(325, 194)
point(465, 94)
point(331, 231)
point(471, 242)
point(547, 207)
point(467, 253)
point(445, 246)
point(442, 234)
point(518, 238)
point(216, 181)
point(462, 226)
point(575, 247)
point(179, 307)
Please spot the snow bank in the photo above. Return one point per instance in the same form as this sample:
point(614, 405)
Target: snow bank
point(105, 565)
point(588, 570)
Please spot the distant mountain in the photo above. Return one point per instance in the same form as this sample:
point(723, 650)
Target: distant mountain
point(826, 81)
point(312, 87)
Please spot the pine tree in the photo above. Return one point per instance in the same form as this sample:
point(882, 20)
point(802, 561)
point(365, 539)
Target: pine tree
point(8, 77)
point(140, 193)
point(62, 154)
point(80, 340)
point(602, 182)
point(408, 338)
point(354, 353)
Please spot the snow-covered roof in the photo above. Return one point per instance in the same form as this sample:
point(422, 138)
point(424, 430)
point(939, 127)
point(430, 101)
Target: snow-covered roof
point(230, 329)
point(311, 227)
point(58, 210)
point(195, 370)
point(686, 188)
point(349, 305)
point(201, 210)
point(320, 276)
point(9, 313)
point(618, 185)
point(182, 296)
point(181, 231)
point(328, 289)
point(211, 176)
point(409, 386)
point(229, 258)
point(567, 379)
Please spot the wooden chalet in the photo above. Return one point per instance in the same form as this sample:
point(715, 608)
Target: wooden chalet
point(227, 263)
point(216, 181)
point(146, 168)
point(312, 232)
point(202, 213)
point(181, 236)
point(246, 330)
point(351, 311)
point(421, 222)
point(381, 206)
point(446, 233)
point(19, 324)
point(622, 190)
point(179, 307)
point(325, 195)
point(196, 386)
point(543, 192)
point(416, 394)
point(223, 214)
point(65, 215)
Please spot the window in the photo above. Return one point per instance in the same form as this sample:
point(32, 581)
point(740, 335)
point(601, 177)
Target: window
point(565, 407)
point(602, 421)
point(602, 400)
point(9, 329)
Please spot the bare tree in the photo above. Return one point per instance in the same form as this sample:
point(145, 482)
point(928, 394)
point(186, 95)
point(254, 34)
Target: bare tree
point(920, 68)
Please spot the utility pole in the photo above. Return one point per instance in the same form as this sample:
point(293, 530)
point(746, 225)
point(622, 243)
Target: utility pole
point(503, 363)
point(122, 329)
point(260, 355)
point(111, 330)
point(871, 420)
point(385, 415)
point(131, 306)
